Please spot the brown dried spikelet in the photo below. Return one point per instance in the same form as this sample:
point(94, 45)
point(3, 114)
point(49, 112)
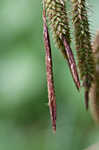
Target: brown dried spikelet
point(49, 73)
point(83, 45)
point(94, 92)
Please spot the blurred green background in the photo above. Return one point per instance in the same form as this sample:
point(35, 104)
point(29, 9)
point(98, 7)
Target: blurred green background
point(24, 115)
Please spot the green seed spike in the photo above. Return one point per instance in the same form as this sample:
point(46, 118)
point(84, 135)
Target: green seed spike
point(57, 17)
point(58, 21)
point(83, 45)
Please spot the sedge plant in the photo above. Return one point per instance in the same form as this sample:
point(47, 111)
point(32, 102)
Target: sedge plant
point(56, 19)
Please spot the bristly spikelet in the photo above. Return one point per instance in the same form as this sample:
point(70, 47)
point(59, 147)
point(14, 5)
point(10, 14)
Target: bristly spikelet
point(83, 45)
point(57, 18)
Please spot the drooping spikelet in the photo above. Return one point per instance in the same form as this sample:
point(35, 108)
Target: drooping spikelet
point(94, 92)
point(57, 18)
point(83, 45)
point(49, 73)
